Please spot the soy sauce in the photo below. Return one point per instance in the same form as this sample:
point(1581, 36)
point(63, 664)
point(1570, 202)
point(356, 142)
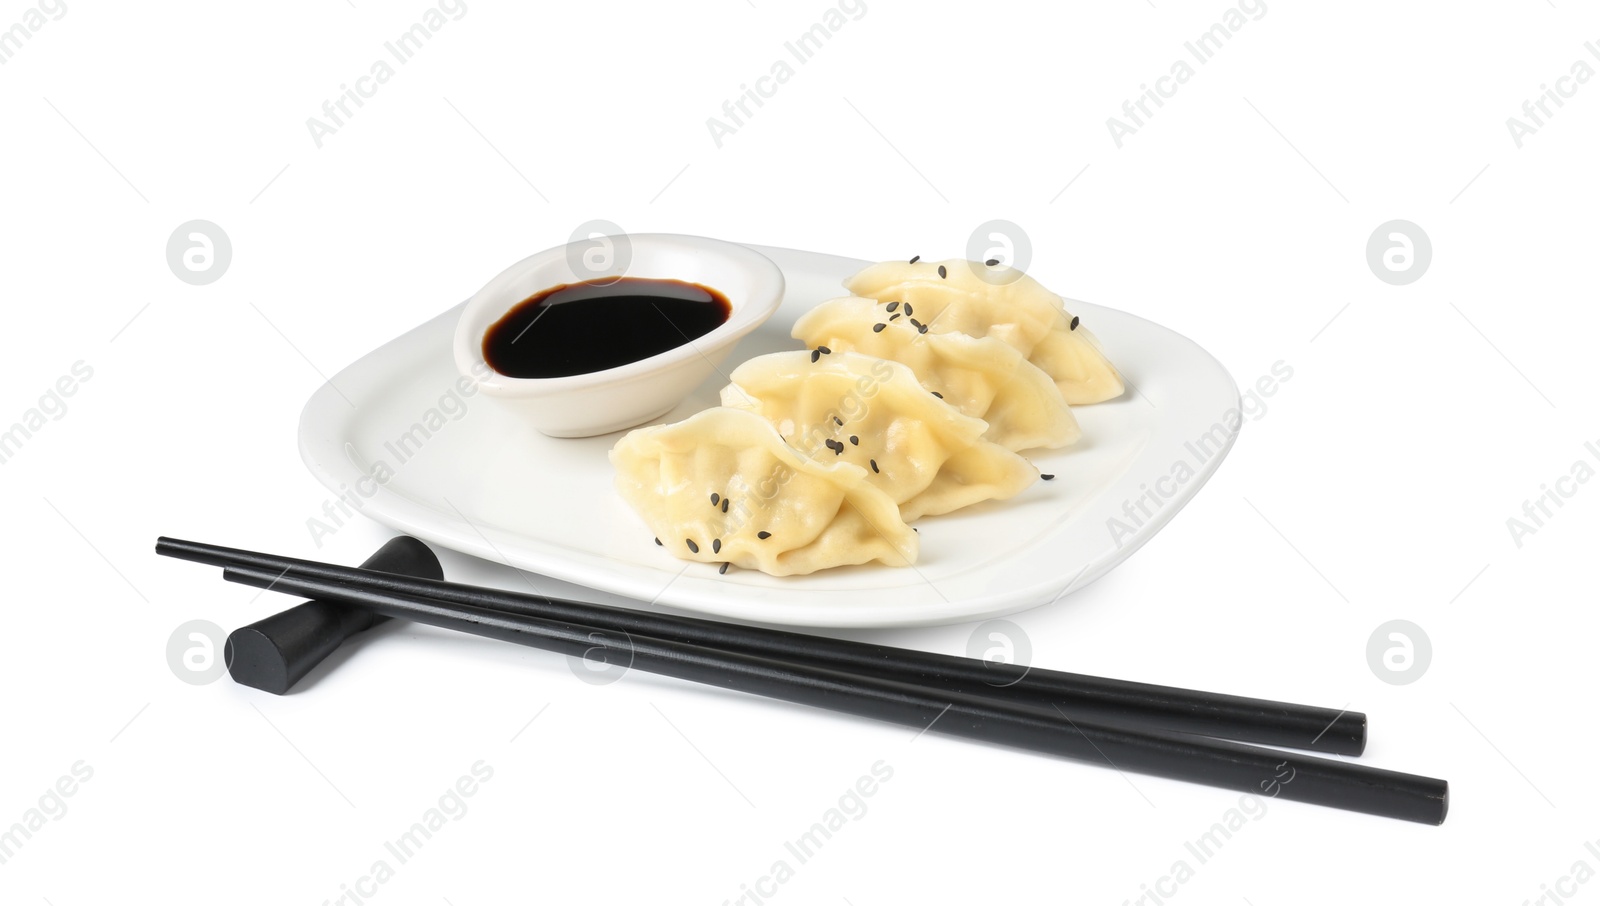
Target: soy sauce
point(578, 328)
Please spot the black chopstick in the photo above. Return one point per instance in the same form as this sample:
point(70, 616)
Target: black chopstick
point(1097, 699)
point(1249, 769)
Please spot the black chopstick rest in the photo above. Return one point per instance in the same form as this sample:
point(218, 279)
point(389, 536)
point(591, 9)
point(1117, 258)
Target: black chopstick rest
point(277, 652)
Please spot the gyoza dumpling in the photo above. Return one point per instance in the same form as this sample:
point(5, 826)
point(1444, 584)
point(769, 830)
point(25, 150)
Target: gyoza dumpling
point(723, 487)
point(981, 376)
point(1001, 302)
point(871, 412)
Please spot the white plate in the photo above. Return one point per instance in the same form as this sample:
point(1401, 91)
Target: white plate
point(474, 479)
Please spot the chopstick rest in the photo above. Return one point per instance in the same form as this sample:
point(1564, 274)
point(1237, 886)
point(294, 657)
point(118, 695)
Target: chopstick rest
point(275, 653)
point(1195, 759)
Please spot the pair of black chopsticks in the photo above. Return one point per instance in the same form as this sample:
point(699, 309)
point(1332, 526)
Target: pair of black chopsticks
point(1157, 730)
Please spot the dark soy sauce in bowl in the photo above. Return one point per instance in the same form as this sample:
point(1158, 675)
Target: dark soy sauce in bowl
point(580, 328)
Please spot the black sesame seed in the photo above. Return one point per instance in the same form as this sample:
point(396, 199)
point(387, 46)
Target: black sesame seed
point(908, 309)
point(824, 350)
point(892, 317)
point(917, 530)
point(873, 463)
point(724, 504)
point(1074, 324)
point(763, 535)
point(941, 272)
point(915, 258)
point(922, 328)
point(722, 570)
point(815, 355)
point(992, 262)
point(938, 394)
point(878, 328)
point(693, 548)
point(658, 542)
point(838, 421)
point(891, 306)
point(854, 440)
point(915, 322)
point(1047, 476)
point(716, 545)
point(715, 498)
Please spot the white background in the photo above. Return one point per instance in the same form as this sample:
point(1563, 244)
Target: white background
point(1377, 485)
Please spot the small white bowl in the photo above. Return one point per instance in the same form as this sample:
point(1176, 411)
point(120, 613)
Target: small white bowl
point(600, 402)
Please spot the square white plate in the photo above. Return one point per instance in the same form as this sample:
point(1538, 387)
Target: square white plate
point(464, 473)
